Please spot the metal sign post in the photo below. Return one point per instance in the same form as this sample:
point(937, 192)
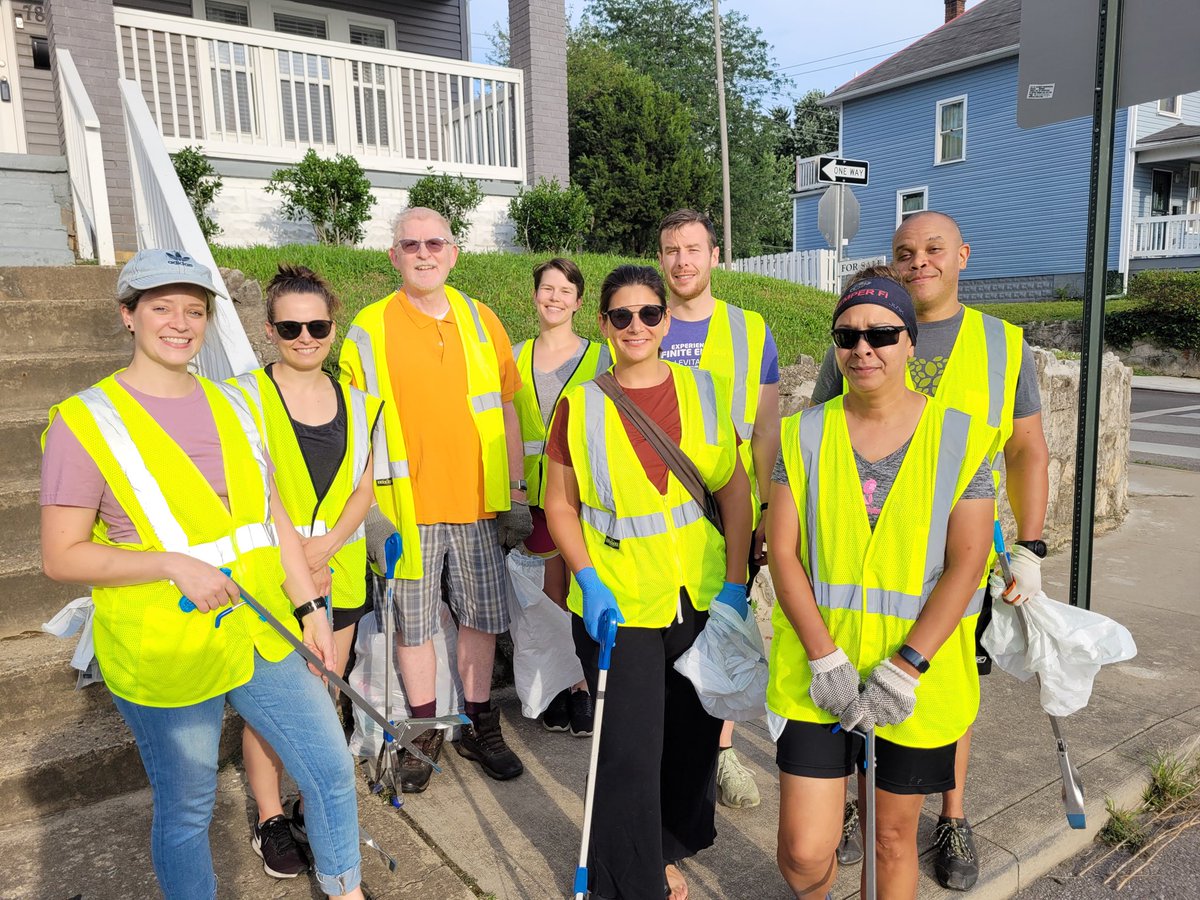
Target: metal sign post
point(840, 172)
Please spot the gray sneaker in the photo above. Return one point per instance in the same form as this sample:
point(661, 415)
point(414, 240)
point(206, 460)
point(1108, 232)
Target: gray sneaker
point(850, 849)
point(955, 861)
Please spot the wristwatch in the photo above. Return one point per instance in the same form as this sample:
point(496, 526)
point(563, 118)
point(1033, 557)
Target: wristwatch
point(914, 659)
point(305, 608)
point(1037, 548)
point(519, 485)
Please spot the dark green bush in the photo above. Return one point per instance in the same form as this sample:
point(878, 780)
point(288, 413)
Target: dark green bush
point(1168, 314)
point(550, 218)
point(333, 195)
point(201, 184)
point(454, 197)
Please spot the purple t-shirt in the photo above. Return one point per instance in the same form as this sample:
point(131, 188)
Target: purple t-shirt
point(685, 342)
point(71, 478)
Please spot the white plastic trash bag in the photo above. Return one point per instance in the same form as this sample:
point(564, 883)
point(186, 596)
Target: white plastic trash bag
point(728, 666)
point(1067, 646)
point(367, 678)
point(544, 660)
point(76, 618)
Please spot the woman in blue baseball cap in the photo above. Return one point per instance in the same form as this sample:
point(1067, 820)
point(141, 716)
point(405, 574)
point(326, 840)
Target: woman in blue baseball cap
point(154, 483)
point(880, 522)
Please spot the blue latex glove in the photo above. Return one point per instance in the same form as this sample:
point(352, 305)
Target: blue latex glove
point(734, 596)
point(596, 599)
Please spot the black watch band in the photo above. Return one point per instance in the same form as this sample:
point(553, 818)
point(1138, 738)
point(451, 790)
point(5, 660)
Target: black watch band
point(305, 608)
point(914, 659)
point(1037, 548)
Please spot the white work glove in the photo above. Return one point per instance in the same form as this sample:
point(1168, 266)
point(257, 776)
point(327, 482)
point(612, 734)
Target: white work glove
point(835, 687)
point(1027, 576)
point(890, 695)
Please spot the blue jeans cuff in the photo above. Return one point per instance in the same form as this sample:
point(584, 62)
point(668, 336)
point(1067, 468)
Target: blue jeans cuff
point(336, 885)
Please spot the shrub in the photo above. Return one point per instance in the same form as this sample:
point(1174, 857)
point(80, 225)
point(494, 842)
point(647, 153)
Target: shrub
point(1168, 312)
point(333, 195)
point(550, 218)
point(201, 184)
point(454, 197)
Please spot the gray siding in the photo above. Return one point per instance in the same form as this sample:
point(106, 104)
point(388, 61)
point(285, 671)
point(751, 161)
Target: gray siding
point(1150, 120)
point(171, 7)
point(37, 94)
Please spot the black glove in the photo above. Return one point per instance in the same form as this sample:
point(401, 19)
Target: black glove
point(514, 524)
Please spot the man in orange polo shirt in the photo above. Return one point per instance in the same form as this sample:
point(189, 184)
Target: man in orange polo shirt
point(449, 377)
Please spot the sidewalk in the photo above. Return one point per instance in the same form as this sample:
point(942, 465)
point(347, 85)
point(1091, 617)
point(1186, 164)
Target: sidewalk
point(519, 839)
point(1167, 383)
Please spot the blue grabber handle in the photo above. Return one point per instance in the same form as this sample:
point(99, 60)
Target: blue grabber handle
point(188, 606)
point(393, 547)
point(838, 727)
point(608, 637)
point(1001, 552)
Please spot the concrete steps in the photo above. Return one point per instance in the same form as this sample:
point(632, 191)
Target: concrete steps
point(34, 211)
point(39, 380)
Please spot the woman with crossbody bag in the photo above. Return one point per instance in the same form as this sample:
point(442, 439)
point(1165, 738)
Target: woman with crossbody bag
point(635, 532)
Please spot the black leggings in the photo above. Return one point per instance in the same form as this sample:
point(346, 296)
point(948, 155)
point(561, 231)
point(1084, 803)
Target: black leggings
point(656, 779)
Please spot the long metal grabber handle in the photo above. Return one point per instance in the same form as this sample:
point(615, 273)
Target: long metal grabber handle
point(390, 731)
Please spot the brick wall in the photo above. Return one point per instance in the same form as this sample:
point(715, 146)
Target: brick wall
point(85, 27)
point(538, 46)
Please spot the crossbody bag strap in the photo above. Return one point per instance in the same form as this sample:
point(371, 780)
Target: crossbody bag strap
point(668, 451)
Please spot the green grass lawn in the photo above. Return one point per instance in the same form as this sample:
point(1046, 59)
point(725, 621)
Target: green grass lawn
point(1050, 310)
point(799, 316)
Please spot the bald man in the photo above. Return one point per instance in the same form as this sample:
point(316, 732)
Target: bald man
point(981, 365)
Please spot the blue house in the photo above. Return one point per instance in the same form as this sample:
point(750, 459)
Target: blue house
point(937, 123)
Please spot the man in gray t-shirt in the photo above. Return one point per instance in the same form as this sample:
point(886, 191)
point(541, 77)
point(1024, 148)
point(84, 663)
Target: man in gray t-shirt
point(929, 252)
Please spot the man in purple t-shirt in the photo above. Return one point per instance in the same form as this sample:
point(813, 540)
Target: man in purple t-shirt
point(687, 252)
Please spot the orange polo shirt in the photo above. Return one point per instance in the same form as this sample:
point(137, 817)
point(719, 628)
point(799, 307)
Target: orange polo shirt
point(429, 381)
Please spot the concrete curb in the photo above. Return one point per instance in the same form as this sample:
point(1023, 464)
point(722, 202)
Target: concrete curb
point(1166, 383)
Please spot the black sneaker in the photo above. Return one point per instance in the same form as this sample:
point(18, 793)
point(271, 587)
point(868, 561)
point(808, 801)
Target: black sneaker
point(583, 712)
point(272, 840)
point(415, 774)
point(484, 744)
point(299, 832)
point(850, 848)
point(955, 861)
point(557, 716)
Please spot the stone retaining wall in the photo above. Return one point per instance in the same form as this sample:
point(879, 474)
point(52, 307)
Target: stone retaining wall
point(1145, 355)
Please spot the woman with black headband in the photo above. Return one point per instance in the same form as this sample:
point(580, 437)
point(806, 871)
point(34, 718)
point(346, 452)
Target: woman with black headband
point(881, 523)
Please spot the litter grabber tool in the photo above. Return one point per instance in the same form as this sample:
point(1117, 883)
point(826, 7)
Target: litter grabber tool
point(387, 763)
point(608, 638)
point(391, 732)
point(869, 870)
point(1072, 784)
point(369, 841)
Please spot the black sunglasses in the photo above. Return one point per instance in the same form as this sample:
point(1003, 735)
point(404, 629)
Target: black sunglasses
point(622, 317)
point(882, 336)
point(317, 329)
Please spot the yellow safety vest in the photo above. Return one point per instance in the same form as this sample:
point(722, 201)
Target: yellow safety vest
point(529, 411)
point(311, 515)
point(150, 651)
point(733, 350)
point(893, 568)
point(646, 546)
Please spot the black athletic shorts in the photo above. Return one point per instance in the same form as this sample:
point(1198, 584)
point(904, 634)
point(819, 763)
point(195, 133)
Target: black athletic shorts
point(814, 751)
point(983, 659)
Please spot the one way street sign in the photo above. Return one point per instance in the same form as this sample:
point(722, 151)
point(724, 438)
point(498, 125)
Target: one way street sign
point(832, 170)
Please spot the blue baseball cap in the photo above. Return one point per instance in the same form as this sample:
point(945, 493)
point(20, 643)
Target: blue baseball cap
point(155, 268)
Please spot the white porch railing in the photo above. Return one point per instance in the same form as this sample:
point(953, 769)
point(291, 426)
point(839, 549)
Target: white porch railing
point(244, 93)
point(806, 173)
point(816, 268)
point(85, 165)
point(165, 219)
point(1162, 236)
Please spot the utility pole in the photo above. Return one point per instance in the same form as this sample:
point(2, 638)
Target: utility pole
point(724, 125)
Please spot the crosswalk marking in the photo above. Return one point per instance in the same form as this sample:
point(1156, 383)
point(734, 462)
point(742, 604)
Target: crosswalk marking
point(1151, 413)
point(1164, 449)
point(1166, 429)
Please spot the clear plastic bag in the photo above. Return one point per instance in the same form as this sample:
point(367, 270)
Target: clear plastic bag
point(728, 666)
point(1066, 647)
point(544, 660)
point(76, 618)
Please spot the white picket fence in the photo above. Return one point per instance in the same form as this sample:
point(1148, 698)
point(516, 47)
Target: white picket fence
point(816, 268)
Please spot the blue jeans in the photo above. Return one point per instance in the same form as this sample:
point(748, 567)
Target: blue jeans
point(290, 708)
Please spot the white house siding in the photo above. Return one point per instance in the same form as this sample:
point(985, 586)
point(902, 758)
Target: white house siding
point(248, 215)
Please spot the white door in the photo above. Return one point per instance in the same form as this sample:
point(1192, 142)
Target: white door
point(12, 119)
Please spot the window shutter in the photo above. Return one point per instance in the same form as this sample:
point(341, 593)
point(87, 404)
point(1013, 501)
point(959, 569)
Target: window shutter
point(300, 26)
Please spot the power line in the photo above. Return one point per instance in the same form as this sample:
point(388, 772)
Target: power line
point(849, 53)
point(849, 62)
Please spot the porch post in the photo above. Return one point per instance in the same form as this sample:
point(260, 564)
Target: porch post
point(537, 33)
point(86, 28)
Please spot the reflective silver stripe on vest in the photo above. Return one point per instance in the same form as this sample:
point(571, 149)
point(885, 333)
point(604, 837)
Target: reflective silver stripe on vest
point(224, 551)
point(358, 336)
point(534, 448)
point(595, 419)
point(997, 364)
point(480, 331)
point(955, 427)
point(484, 402)
point(362, 439)
point(708, 404)
point(686, 513)
point(518, 349)
point(812, 426)
point(253, 437)
point(741, 369)
point(644, 526)
point(249, 383)
point(317, 529)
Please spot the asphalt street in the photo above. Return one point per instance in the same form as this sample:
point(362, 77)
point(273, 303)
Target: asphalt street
point(1165, 429)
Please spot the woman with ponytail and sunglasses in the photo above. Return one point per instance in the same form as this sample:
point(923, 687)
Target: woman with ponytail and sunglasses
point(318, 433)
point(880, 523)
point(641, 548)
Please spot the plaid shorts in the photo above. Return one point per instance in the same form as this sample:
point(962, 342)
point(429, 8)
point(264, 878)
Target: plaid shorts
point(469, 559)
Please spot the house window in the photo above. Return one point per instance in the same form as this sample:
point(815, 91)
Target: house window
point(913, 200)
point(301, 26)
point(227, 13)
point(41, 52)
point(1171, 106)
point(368, 37)
point(951, 131)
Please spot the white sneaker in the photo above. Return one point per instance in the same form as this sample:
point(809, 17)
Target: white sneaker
point(735, 783)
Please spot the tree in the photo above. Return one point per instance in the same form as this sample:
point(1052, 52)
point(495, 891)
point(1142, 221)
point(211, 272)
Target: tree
point(633, 150)
point(812, 129)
